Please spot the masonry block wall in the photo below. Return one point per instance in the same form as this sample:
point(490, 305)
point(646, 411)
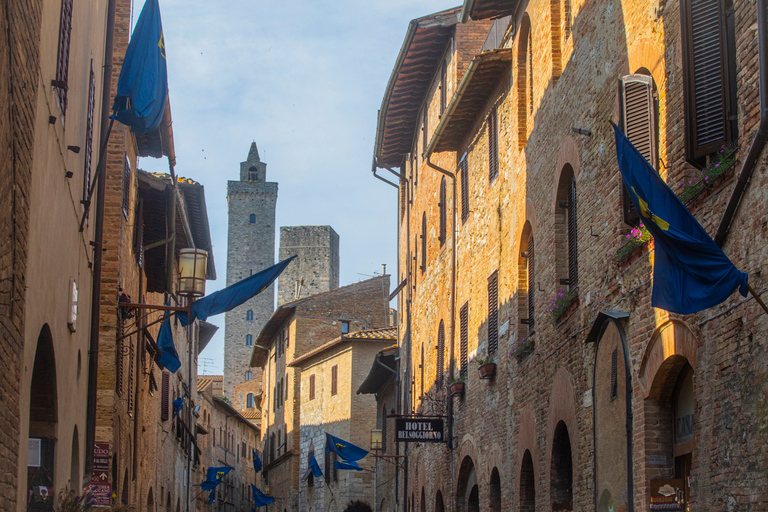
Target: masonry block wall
point(250, 249)
point(316, 268)
point(514, 422)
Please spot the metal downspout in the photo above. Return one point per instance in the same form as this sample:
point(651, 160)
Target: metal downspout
point(98, 239)
point(758, 143)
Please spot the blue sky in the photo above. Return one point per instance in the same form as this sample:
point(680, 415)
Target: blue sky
point(305, 80)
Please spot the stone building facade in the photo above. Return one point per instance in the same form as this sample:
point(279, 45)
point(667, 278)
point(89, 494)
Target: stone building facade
point(598, 399)
point(330, 377)
point(295, 329)
point(250, 249)
point(316, 267)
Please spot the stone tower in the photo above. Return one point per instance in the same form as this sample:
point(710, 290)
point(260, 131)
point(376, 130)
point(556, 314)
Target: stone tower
point(316, 269)
point(250, 248)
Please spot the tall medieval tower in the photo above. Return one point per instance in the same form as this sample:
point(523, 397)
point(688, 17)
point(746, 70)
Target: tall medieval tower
point(250, 249)
point(316, 267)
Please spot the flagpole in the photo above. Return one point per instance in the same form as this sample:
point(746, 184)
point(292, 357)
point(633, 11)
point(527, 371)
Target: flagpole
point(757, 298)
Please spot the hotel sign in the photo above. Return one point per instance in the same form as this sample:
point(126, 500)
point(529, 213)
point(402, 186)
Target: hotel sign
point(419, 430)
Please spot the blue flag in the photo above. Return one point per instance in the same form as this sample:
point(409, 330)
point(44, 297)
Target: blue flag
point(213, 477)
point(259, 498)
point(177, 405)
point(169, 358)
point(344, 464)
point(344, 449)
point(142, 89)
point(233, 295)
point(314, 466)
point(212, 496)
point(690, 272)
point(256, 461)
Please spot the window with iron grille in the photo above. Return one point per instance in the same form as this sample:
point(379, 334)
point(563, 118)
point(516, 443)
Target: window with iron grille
point(421, 367)
point(164, 396)
point(443, 88)
point(464, 342)
point(573, 245)
point(493, 146)
point(493, 313)
point(119, 361)
point(126, 186)
point(384, 428)
point(88, 150)
point(614, 369)
point(464, 170)
point(709, 76)
point(130, 376)
point(440, 370)
point(334, 379)
point(424, 242)
point(442, 207)
point(531, 287)
point(311, 387)
point(62, 58)
point(402, 199)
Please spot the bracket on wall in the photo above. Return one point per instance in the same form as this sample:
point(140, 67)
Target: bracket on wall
point(582, 131)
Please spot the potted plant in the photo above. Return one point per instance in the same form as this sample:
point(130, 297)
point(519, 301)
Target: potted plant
point(522, 348)
point(456, 386)
point(486, 367)
point(564, 302)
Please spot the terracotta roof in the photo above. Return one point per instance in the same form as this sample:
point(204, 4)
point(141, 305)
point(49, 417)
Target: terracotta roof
point(487, 9)
point(382, 334)
point(251, 414)
point(204, 380)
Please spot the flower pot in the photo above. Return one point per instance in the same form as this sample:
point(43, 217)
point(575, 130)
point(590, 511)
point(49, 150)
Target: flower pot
point(570, 309)
point(456, 388)
point(487, 370)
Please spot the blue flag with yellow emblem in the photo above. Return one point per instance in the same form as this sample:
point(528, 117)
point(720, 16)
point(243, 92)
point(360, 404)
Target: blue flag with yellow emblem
point(259, 498)
point(690, 272)
point(346, 450)
point(214, 476)
point(142, 89)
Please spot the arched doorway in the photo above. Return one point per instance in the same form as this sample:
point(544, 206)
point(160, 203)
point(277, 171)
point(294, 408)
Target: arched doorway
point(468, 496)
point(124, 496)
point(150, 501)
point(43, 418)
point(561, 470)
point(74, 468)
point(495, 489)
point(439, 506)
point(527, 484)
point(358, 506)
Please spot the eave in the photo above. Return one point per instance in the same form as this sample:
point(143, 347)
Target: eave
point(487, 9)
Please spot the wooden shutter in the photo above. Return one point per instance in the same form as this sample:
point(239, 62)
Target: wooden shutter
point(440, 356)
point(384, 428)
point(531, 287)
point(402, 199)
point(443, 88)
point(464, 169)
point(493, 313)
point(638, 116)
point(705, 76)
point(423, 242)
point(119, 361)
point(88, 150)
point(614, 368)
point(493, 146)
point(334, 379)
point(424, 129)
point(573, 245)
point(62, 58)
point(464, 343)
point(126, 185)
point(164, 397)
point(130, 376)
point(421, 366)
point(311, 387)
point(442, 206)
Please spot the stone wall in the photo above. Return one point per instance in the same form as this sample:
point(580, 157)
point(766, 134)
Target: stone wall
point(316, 268)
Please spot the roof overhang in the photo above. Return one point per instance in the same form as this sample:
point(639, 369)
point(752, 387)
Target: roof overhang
point(414, 70)
point(207, 330)
point(268, 333)
point(382, 372)
point(480, 80)
point(194, 197)
point(487, 9)
point(159, 143)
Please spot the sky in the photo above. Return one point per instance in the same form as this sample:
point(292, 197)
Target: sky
point(303, 79)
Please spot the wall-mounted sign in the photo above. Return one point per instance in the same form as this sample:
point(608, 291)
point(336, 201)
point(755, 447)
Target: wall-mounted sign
point(100, 487)
point(418, 430)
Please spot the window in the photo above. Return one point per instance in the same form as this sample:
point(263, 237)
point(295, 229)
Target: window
point(443, 218)
point(249, 315)
point(464, 341)
point(421, 366)
point(493, 313)
point(384, 428)
point(403, 193)
point(639, 119)
point(423, 242)
point(251, 402)
point(248, 340)
point(526, 283)
point(531, 287)
point(248, 375)
point(164, 397)
point(344, 327)
point(62, 58)
point(334, 379)
point(312, 387)
point(709, 76)
point(493, 146)
point(464, 169)
point(252, 219)
point(88, 150)
point(440, 370)
point(443, 88)
point(253, 174)
point(424, 130)
point(126, 186)
point(130, 376)
point(566, 242)
point(614, 370)
point(119, 363)
point(524, 81)
point(573, 244)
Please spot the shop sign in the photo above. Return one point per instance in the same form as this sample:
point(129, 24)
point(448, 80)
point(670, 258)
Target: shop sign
point(419, 430)
point(100, 487)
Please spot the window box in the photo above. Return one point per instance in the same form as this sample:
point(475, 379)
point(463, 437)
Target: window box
point(487, 370)
point(456, 388)
point(632, 246)
point(563, 304)
point(522, 349)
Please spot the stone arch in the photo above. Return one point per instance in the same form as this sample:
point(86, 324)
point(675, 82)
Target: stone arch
point(357, 506)
point(150, 501)
point(74, 468)
point(645, 54)
point(124, 495)
point(494, 488)
point(468, 448)
point(43, 411)
point(526, 277)
point(526, 442)
point(439, 503)
point(527, 483)
point(530, 214)
point(568, 154)
point(561, 421)
point(673, 338)
point(561, 469)
point(467, 488)
point(524, 81)
point(423, 502)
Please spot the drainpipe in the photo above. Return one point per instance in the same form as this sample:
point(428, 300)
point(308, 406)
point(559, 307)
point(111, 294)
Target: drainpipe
point(758, 143)
point(453, 291)
point(98, 239)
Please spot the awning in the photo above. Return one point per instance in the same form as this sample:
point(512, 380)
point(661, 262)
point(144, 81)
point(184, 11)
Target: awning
point(487, 9)
point(207, 330)
point(382, 372)
point(481, 79)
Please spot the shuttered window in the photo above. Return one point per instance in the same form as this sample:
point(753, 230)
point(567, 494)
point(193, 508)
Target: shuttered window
point(421, 367)
point(88, 149)
point(384, 428)
point(573, 245)
point(334, 379)
point(443, 218)
point(119, 361)
point(126, 186)
point(130, 376)
point(311, 387)
point(531, 287)
point(423, 242)
point(443, 88)
point(640, 125)
point(708, 75)
point(424, 129)
point(464, 169)
point(440, 367)
point(62, 58)
point(493, 313)
point(493, 146)
point(164, 396)
point(402, 199)
point(464, 342)
point(614, 369)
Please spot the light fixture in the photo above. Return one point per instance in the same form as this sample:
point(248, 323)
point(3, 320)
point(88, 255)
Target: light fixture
point(377, 439)
point(192, 266)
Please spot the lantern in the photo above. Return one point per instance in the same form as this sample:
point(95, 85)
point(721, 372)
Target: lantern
point(192, 267)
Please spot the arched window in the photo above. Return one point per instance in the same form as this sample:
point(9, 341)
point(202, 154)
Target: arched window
point(527, 484)
point(248, 375)
point(250, 401)
point(443, 220)
point(249, 315)
point(527, 288)
point(561, 470)
point(561, 31)
point(248, 340)
point(566, 243)
point(495, 489)
point(440, 369)
point(524, 81)
point(253, 174)
point(252, 218)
